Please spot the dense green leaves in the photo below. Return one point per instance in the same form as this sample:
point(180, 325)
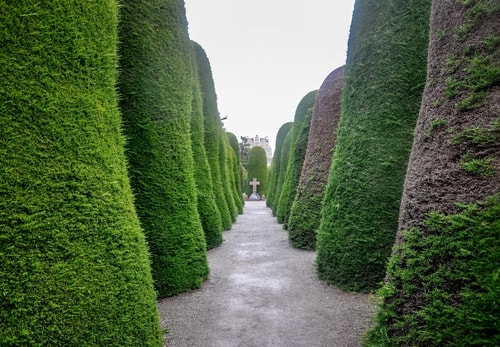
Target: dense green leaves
point(385, 76)
point(298, 147)
point(74, 267)
point(277, 170)
point(156, 86)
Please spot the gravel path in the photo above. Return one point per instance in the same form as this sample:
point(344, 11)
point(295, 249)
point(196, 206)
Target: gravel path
point(263, 292)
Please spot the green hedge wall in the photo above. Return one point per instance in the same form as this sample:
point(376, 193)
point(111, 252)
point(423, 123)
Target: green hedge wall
point(236, 172)
point(285, 156)
point(305, 214)
point(74, 266)
point(156, 86)
point(298, 149)
point(213, 131)
point(385, 76)
point(442, 286)
point(207, 208)
point(257, 168)
point(277, 169)
point(226, 175)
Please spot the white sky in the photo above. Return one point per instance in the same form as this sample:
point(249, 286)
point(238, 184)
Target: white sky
point(267, 54)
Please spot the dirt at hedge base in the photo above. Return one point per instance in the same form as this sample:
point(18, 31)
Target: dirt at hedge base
point(262, 292)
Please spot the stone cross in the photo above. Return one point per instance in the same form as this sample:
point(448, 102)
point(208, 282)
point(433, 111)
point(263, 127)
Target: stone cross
point(254, 184)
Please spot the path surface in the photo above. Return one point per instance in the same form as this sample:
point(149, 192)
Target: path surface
point(263, 292)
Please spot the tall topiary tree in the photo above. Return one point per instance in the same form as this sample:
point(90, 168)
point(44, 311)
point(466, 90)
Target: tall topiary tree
point(225, 153)
point(156, 85)
point(236, 171)
point(380, 104)
point(207, 208)
point(442, 285)
point(213, 132)
point(257, 168)
point(285, 156)
point(297, 153)
point(305, 214)
point(74, 266)
point(277, 169)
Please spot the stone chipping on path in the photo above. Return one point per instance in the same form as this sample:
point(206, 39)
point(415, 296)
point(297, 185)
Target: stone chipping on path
point(263, 292)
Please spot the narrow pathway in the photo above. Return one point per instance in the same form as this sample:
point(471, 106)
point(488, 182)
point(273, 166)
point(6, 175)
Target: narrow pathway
point(263, 292)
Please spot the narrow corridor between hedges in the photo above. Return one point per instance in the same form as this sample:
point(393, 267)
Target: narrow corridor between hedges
point(263, 292)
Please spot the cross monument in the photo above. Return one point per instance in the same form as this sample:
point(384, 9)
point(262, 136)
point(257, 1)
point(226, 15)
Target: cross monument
point(254, 185)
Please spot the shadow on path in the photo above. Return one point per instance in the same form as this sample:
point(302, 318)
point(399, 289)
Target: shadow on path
point(263, 292)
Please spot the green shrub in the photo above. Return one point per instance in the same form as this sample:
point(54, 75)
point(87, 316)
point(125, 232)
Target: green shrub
point(236, 171)
point(298, 147)
point(156, 86)
point(285, 156)
point(277, 169)
point(74, 266)
point(305, 214)
point(451, 265)
point(225, 163)
point(213, 135)
point(257, 168)
point(385, 75)
point(207, 208)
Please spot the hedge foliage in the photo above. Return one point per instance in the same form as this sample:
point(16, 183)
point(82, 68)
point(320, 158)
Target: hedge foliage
point(156, 85)
point(305, 214)
point(74, 266)
point(277, 169)
point(385, 75)
point(236, 172)
point(207, 208)
point(451, 268)
point(226, 152)
point(443, 286)
point(298, 147)
point(257, 168)
point(213, 137)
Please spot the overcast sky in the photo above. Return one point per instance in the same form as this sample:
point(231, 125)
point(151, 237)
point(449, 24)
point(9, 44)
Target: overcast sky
point(267, 54)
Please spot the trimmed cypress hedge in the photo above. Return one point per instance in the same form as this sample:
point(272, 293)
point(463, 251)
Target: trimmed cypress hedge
point(257, 168)
point(236, 171)
point(213, 131)
point(277, 169)
point(385, 76)
point(207, 208)
point(305, 214)
point(74, 266)
point(442, 286)
point(226, 175)
point(156, 86)
point(298, 149)
point(285, 156)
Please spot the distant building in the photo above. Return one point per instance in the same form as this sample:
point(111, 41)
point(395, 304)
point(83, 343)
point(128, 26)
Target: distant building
point(249, 142)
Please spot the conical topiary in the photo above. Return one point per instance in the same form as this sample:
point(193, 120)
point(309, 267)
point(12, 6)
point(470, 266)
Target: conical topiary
point(277, 169)
point(384, 80)
point(74, 266)
point(156, 86)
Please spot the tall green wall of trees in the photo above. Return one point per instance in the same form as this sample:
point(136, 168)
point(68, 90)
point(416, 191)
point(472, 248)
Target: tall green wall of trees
point(74, 266)
point(213, 137)
point(156, 86)
point(442, 286)
point(236, 172)
point(385, 76)
point(277, 169)
point(300, 134)
point(305, 214)
point(207, 208)
point(257, 168)
point(225, 152)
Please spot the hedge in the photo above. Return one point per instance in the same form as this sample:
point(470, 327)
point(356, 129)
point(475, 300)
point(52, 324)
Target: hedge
point(442, 286)
point(298, 148)
point(385, 76)
point(305, 214)
point(156, 85)
point(213, 131)
point(207, 208)
point(74, 265)
point(225, 153)
point(277, 169)
point(236, 172)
